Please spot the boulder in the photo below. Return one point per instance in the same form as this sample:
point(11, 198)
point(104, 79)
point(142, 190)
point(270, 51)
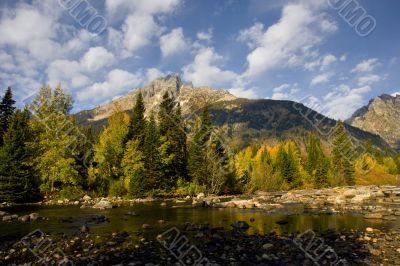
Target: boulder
point(34, 216)
point(24, 218)
point(103, 204)
point(219, 205)
point(230, 204)
point(200, 195)
point(84, 229)
point(198, 203)
point(86, 198)
point(242, 225)
point(7, 218)
point(146, 226)
point(2, 213)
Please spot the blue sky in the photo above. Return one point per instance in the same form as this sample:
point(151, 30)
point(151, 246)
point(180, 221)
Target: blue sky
point(301, 50)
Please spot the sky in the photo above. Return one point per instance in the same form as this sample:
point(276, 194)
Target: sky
point(312, 51)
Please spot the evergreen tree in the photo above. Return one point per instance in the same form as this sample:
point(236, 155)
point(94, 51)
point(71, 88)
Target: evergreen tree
point(197, 161)
point(16, 183)
point(151, 155)
point(133, 168)
point(342, 155)
point(6, 110)
point(137, 124)
point(172, 147)
point(317, 163)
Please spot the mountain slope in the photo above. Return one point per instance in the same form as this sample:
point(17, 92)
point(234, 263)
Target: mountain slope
point(240, 121)
point(382, 117)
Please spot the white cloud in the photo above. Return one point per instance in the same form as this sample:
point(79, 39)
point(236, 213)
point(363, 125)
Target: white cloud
point(366, 65)
point(205, 35)
point(343, 101)
point(252, 36)
point(154, 73)
point(322, 78)
point(284, 40)
point(173, 42)
point(97, 58)
point(243, 93)
point(327, 60)
point(328, 26)
point(117, 82)
point(140, 26)
point(368, 80)
point(204, 71)
point(285, 92)
point(396, 94)
point(343, 58)
point(67, 73)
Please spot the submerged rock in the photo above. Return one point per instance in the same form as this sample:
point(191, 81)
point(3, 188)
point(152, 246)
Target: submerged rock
point(242, 225)
point(103, 204)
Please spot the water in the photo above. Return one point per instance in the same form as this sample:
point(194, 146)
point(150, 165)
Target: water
point(290, 219)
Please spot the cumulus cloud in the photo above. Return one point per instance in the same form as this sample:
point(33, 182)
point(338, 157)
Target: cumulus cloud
point(205, 71)
point(140, 26)
point(252, 36)
point(368, 80)
point(366, 65)
point(173, 42)
point(396, 94)
point(285, 92)
point(322, 78)
point(205, 35)
point(343, 101)
point(282, 42)
point(154, 73)
point(118, 81)
point(97, 58)
point(243, 93)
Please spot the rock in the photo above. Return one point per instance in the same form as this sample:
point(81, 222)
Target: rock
point(34, 216)
point(230, 204)
point(7, 218)
point(76, 203)
point(163, 204)
point(86, 198)
point(219, 205)
point(60, 202)
point(2, 213)
point(84, 229)
point(267, 246)
point(249, 205)
point(398, 250)
point(200, 195)
point(187, 197)
point(369, 230)
point(373, 216)
point(198, 203)
point(131, 213)
point(24, 218)
point(161, 221)
point(103, 204)
point(146, 226)
point(242, 225)
point(367, 238)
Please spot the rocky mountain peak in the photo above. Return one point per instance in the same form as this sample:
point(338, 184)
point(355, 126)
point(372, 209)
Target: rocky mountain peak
point(190, 98)
point(381, 116)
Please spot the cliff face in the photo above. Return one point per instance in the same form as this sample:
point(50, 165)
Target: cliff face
point(382, 117)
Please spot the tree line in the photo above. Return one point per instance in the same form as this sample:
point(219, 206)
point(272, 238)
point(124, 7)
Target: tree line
point(44, 153)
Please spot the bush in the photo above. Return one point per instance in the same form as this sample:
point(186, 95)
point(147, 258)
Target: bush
point(117, 189)
point(71, 193)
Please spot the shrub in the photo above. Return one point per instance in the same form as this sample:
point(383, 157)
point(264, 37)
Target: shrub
point(71, 193)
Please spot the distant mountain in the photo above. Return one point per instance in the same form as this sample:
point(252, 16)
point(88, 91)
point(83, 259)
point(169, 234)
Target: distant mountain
point(240, 121)
point(382, 117)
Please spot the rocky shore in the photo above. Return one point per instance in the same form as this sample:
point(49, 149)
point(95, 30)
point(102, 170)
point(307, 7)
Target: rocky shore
point(211, 246)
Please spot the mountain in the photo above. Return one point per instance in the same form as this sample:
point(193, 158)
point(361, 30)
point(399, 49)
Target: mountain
point(240, 121)
point(382, 117)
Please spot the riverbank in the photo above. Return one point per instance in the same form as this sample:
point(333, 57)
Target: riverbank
point(215, 246)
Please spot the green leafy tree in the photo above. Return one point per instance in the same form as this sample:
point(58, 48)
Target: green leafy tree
point(54, 139)
point(110, 150)
point(342, 156)
point(6, 110)
point(16, 176)
point(138, 123)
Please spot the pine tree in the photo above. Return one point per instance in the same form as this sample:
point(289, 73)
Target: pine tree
point(151, 155)
point(197, 161)
point(16, 183)
point(172, 147)
point(342, 151)
point(6, 110)
point(137, 123)
point(133, 169)
point(317, 163)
